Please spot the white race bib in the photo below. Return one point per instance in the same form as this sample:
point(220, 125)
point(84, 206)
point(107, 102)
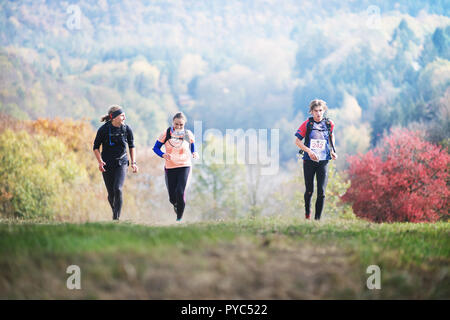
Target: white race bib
point(317, 144)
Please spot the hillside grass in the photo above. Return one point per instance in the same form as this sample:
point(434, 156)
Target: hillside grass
point(262, 258)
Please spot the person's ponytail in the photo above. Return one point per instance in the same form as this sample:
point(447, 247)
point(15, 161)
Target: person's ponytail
point(107, 117)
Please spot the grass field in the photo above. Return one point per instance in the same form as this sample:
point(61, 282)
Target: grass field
point(263, 258)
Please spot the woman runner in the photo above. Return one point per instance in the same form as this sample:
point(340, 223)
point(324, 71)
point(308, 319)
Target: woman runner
point(114, 136)
point(179, 144)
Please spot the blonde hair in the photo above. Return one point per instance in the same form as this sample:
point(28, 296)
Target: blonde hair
point(180, 115)
point(112, 108)
point(317, 103)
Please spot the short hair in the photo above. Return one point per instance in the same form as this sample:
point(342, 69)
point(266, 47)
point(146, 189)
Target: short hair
point(317, 103)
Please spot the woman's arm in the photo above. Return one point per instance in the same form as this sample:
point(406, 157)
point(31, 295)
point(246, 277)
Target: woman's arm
point(157, 150)
point(101, 163)
point(192, 144)
point(133, 160)
point(99, 138)
point(132, 148)
point(194, 153)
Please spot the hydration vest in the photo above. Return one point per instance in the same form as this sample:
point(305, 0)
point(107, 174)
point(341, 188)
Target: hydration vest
point(169, 136)
point(309, 128)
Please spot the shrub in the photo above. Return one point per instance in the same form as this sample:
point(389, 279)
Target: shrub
point(336, 188)
point(34, 173)
point(404, 179)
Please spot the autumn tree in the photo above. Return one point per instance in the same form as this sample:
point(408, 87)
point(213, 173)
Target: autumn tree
point(404, 179)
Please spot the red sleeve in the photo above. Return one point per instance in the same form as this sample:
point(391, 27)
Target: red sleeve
point(302, 129)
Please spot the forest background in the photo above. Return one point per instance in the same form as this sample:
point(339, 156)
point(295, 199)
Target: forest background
point(229, 64)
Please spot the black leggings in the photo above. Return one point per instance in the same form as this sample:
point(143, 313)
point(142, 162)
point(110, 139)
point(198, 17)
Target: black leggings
point(114, 179)
point(176, 181)
point(320, 169)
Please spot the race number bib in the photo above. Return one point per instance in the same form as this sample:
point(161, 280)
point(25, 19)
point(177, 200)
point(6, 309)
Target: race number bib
point(317, 144)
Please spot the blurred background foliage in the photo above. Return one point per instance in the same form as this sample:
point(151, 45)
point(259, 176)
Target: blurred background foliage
point(230, 64)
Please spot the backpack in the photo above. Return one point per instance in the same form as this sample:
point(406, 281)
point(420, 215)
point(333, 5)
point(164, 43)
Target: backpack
point(123, 133)
point(309, 127)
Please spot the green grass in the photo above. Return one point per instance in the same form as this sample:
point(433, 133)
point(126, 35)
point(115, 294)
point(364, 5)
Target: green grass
point(35, 239)
point(281, 257)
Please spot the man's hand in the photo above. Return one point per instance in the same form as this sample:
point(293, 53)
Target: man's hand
point(167, 156)
point(195, 155)
point(313, 156)
point(334, 156)
point(135, 168)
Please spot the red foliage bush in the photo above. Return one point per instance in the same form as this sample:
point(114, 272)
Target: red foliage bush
point(405, 179)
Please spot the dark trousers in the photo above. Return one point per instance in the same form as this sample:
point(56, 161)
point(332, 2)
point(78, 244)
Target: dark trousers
point(114, 179)
point(320, 170)
point(176, 181)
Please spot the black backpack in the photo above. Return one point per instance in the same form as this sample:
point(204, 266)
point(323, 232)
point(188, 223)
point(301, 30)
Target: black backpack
point(309, 128)
point(122, 132)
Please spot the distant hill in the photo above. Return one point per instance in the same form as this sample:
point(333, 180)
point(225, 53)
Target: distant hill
point(233, 64)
